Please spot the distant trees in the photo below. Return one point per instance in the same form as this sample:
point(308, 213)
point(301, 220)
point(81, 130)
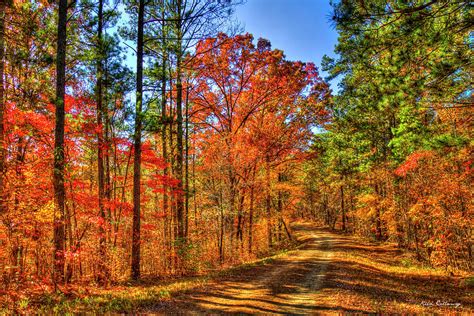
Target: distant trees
point(172, 28)
point(250, 108)
point(404, 100)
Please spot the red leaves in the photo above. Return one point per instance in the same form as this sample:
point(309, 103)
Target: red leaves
point(148, 226)
point(158, 183)
point(151, 159)
point(412, 162)
point(468, 168)
point(251, 102)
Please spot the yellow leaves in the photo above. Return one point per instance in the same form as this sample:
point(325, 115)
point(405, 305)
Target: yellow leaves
point(368, 204)
point(368, 198)
point(416, 209)
point(438, 258)
point(45, 213)
point(286, 187)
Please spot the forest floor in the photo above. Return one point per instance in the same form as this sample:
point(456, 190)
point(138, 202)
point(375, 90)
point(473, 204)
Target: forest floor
point(328, 273)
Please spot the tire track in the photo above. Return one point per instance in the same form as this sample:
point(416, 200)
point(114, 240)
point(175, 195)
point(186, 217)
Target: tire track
point(288, 285)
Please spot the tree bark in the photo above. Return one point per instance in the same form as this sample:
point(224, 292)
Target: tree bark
point(221, 232)
point(137, 148)
point(59, 163)
point(251, 209)
point(179, 131)
point(378, 221)
point(342, 207)
point(2, 109)
point(172, 200)
point(102, 267)
point(268, 203)
point(240, 218)
point(280, 210)
point(186, 168)
point(164, 124)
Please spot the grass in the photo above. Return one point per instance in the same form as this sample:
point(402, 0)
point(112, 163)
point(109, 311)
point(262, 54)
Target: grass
point(379, 278)
point(362, 277)
point(115, 299)
point(469, 282)
point(124, 298)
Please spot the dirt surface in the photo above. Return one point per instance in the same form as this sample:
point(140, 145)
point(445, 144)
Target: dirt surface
point(328, 274)
point(287, 285)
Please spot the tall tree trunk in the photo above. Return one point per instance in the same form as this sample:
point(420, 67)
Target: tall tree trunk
point(240, 219)
point(109, 184)
point(378, 221)
point(221, 231)
point(268, 202)
point(172, 200)
point(17, 246)
point(194, 188)
point(280, 209)
point(102, 267)
point(343, 210)
point(137, 148)
point(179, 129)
point(232, 214)
point(2, 109)
point(58, 173)
point(70, 262)
point(186, 168)
point(252, 193)
point(164, 125)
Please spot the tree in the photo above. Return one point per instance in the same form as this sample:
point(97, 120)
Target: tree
point(100, 140)
point(2, 105)
point(137, 144)
point(181, 24)
point(253, 109)
point(59, 165)
point(404, 66)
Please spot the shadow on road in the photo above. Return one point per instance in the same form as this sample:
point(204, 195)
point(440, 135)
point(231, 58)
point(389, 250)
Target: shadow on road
point(328, 273)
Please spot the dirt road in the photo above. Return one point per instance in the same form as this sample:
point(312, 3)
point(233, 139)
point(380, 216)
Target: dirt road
point(330, 273)
point(288, 285)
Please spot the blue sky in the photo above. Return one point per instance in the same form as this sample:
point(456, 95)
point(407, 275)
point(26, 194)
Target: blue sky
point(301, 28)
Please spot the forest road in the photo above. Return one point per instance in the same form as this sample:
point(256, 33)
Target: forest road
point(288, 284)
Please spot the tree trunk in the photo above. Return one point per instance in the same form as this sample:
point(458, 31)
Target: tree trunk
point(186, 168)
point(280, 210)
point(268, 203)
point(102, 267)
point(3, 144)
point(240, 218)
point(252, 191)
point(164, 146)
point(70, 262)
point(221, 233)
point(378, 221)
point(137, 148)
point(109, 184)
point(343, 210)
point(172, 203)
point(58, 173)
point(194, 188)
point(179, 135)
